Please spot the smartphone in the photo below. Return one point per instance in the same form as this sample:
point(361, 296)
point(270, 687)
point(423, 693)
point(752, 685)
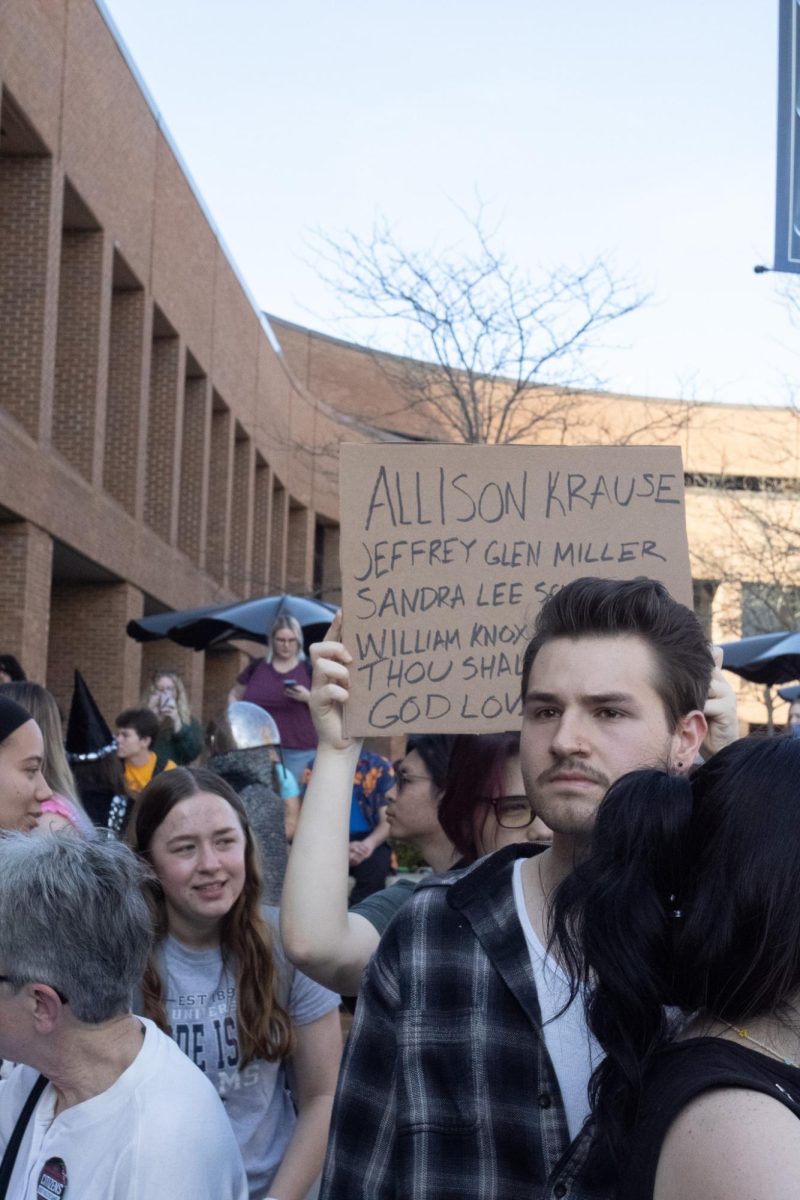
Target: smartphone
point(287, 683)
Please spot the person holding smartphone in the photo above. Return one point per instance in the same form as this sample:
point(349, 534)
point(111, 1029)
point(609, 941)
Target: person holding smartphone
point(180, 736)
point(281, 684)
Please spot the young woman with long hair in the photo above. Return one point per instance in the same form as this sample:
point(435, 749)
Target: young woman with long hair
point(689, 901)
point(219, 983)
point(63, 809)
point(180, 735)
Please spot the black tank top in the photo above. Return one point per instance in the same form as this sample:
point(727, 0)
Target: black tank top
point(685, 1070)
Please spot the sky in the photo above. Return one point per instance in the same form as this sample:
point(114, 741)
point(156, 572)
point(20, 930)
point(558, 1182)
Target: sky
point(642, 133)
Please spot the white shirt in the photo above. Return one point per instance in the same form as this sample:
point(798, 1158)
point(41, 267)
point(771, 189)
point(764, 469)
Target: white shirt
point(573, 1051)
point(159, 1130)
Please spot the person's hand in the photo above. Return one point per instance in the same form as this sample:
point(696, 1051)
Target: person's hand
point(329, 687)
point(720, 710)
point(169, 709)
point(298, 692)
point(360, 851)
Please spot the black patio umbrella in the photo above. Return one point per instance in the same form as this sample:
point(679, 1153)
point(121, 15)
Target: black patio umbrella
point(202, 628)
point(791, 693)
point(768, 658)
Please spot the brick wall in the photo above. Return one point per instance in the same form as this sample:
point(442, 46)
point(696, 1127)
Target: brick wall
point(81, 324)
point(28, 279)
point(124, 400)
point(26, 553)
point(87, 631)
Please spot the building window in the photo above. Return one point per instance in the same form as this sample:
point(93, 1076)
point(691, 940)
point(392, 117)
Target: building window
point(703, 592)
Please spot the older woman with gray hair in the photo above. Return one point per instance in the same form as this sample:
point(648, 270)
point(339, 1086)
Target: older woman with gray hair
point(107, 1102)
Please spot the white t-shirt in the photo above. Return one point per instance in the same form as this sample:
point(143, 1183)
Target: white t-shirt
point(200, 999)
point(159, 1130)
point(573, 1051)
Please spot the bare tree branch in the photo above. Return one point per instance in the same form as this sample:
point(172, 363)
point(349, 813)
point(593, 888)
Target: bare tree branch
point(491, 354)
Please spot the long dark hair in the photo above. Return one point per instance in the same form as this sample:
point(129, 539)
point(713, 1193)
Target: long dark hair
point(475, 773)
point(688, 899)
point(265, 1029)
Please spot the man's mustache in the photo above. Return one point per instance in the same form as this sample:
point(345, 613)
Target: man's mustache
point(574, 766)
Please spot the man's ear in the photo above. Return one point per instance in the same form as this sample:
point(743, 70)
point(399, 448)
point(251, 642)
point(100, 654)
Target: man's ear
point(46, 1007)
point(687, 740)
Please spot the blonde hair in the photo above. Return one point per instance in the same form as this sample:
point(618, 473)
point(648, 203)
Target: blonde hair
point(293, 625)
point(181, 698)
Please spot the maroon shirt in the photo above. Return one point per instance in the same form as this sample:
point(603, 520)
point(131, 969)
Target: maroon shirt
point(263, 685)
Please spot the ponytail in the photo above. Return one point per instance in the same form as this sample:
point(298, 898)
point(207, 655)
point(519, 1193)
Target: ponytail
point(615, 921)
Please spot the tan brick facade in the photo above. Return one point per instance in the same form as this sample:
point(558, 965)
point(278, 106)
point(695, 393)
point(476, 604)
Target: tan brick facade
point(26, 553)
point(142, 407)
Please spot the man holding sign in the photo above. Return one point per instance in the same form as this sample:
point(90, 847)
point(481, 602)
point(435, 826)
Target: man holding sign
point(463, 1076)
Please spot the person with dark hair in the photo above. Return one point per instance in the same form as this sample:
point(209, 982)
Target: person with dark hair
point(23, 788)
point(466, 1073)
point(688, 899)
point(219, 983)
point(484, 805)
point(11, 670)
point(117, 1112)
point(62, 809)
point(136, 731)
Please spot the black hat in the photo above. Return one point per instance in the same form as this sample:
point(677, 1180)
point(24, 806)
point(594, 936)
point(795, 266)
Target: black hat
point(88, 735)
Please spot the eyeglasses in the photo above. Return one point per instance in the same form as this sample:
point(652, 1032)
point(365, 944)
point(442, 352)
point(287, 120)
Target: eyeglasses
point(12, 979)
point(404, 778)
point(513, 812)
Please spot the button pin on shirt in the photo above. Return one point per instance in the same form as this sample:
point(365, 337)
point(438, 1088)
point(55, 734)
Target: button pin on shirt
point(52, 1183)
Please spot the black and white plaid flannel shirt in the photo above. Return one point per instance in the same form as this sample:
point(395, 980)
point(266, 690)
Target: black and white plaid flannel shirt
point(447, 1091)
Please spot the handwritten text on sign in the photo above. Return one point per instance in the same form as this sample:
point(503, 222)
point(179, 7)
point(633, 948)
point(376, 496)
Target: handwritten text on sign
point(448, 551)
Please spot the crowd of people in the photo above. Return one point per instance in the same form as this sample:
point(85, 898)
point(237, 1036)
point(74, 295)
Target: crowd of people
point(593, 993)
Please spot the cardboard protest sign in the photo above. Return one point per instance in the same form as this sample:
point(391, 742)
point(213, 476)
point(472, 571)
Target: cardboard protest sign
point(447, 552)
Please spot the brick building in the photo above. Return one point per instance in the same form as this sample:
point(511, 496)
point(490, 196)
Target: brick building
point(163, 445)
point(147, 424)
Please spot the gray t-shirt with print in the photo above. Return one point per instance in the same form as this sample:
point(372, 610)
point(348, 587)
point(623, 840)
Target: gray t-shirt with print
point(200, 998)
